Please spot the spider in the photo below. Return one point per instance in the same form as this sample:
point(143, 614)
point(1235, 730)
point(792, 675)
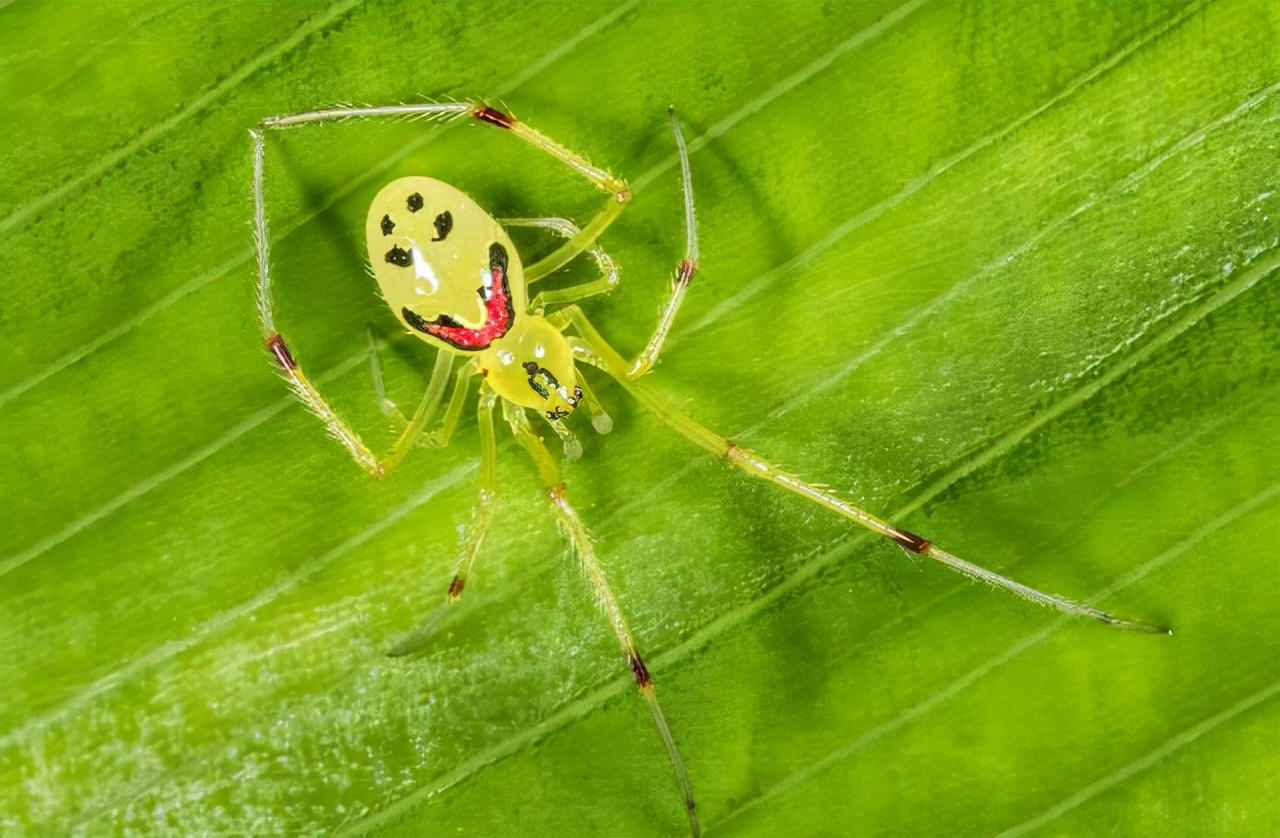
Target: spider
point(452, 277)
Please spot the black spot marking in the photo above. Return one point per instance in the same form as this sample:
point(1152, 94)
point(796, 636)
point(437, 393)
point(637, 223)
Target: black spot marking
point(414, 202)
point(558, 413)
point(387, 225)
point(444, 223)
point(415, 320)
point(399, 256)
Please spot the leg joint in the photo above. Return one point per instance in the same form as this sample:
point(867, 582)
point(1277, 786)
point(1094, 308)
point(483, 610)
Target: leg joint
point(910, 541)
point(493, 116)
point(278, 348)
point(639, 670)
point(687, 269)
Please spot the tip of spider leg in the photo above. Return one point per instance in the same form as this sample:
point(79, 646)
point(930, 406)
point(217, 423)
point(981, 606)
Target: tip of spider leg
point(602, 423)
point(1145, 627)
point(572, 449)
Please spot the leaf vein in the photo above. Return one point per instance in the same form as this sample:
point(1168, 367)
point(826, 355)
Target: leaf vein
point(959, 685)
point(150, 135)
point(1144, 762)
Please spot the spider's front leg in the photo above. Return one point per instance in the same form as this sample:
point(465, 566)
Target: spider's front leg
point(582, 239)
point(684, 273)
point(583, 546)
point(688, 266)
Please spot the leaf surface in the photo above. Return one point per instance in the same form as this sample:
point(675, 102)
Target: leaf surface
point(1006, 274)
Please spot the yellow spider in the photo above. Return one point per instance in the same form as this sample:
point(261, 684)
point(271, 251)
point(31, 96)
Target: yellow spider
point(451, 276)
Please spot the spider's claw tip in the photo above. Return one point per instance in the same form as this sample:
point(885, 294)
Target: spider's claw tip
point(1143, 626)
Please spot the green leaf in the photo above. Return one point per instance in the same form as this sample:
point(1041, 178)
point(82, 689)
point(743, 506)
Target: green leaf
point(1005, 273)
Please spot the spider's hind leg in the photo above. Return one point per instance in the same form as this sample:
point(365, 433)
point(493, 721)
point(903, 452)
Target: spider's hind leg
point(473, 534)
point(435, 387)
point(590, 347)
point(584, 548)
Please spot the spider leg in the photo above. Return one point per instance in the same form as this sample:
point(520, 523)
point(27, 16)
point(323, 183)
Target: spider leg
point(644, 362)
point(619, 193)
point(684, 273)
point(603, 594)
point(593, 349)
point(425, 110)
point(440, 436)
point(389, 408)
point(430, 399)
point(617, 189)
point(474, 534)
point(607, 280)
point(302, 385)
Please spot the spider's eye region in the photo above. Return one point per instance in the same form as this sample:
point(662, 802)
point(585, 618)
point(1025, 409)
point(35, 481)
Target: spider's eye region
point(387, 225)
point(414, 202)
point(443, 224)
point(399, 256)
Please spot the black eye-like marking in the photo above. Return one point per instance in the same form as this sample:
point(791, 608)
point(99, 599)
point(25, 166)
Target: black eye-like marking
point(444, 223)
point(387, 225)
point(399, 256)
point(414, 202)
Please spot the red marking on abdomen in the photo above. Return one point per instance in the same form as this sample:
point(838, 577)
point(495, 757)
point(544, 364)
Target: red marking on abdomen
point(498, 316)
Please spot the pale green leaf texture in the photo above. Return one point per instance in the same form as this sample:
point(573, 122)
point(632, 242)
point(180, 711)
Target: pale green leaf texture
point(1006, 272)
